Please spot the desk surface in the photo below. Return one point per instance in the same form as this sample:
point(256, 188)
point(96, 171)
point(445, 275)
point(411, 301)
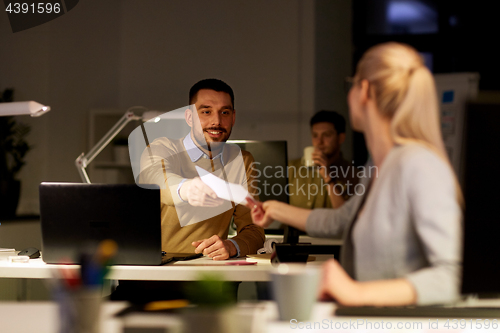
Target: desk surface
point(180, 271)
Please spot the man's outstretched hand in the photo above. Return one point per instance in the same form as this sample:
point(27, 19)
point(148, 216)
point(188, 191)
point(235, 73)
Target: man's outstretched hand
point(197, 193)
point(215, 248)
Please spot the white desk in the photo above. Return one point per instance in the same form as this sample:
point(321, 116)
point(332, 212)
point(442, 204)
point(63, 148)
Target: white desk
point(180, 271)
point(37, 269)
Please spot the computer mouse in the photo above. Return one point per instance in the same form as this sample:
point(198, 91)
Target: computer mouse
point(31, 252)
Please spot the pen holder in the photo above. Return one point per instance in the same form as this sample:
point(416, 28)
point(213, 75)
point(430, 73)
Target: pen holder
point(79, 310)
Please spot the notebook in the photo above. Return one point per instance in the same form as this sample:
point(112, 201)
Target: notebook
point(75, 217)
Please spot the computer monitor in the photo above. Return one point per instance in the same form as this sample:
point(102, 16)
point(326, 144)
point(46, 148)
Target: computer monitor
point(481, 160)
point(271, 162)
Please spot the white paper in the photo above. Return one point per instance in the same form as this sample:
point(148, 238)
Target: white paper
point(227, 191)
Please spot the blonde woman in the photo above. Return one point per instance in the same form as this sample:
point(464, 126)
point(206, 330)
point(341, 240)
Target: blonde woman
point(402, 238)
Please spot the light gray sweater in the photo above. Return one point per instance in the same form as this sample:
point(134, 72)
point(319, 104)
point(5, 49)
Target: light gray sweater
point(409, 227)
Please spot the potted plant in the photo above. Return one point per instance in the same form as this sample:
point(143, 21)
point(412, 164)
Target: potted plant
point(13, 149)
point(212, 299)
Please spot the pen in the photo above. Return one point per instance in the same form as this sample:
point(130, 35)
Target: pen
point(240, 263)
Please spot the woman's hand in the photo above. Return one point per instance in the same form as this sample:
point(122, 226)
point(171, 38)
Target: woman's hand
point(263, 212)
point(337, 284)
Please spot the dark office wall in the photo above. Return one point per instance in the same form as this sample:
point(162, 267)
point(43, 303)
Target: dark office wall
point(257, 47)
point(117, 54)
point(69, 64)
point(333, 60)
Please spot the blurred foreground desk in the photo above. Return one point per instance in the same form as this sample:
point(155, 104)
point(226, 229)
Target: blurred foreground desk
point(246, 318)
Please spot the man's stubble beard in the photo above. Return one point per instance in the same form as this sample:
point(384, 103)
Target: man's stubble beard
point(335, 152)
point(214, 145)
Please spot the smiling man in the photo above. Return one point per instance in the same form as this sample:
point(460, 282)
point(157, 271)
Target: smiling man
point(194, 219)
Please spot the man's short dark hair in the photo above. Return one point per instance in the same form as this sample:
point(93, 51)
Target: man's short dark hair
point(332, 117)
point(213, 84)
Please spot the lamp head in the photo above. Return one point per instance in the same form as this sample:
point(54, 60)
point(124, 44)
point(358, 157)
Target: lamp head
point(153, 116)
point(156, 116)
point(31, 108)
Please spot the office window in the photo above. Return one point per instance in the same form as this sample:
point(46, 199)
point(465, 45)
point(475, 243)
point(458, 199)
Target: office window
point(400, 17)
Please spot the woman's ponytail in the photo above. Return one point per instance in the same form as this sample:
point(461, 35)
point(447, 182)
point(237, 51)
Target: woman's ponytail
point(405, 92)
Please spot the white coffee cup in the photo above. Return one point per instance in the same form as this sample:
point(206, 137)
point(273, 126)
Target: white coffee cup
point(295, 290)
point(308, 160)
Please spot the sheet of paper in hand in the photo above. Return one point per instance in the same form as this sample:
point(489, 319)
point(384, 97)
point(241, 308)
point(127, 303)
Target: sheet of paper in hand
point(227, 191)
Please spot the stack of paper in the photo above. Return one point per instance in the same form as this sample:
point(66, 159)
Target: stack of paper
point(264, 258)
point(2, 249)
point(227, 191)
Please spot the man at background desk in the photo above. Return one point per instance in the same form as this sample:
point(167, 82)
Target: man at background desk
point(194, 219)
point(332, 180)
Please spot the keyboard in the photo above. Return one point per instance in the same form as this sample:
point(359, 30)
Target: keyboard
point(420, 311)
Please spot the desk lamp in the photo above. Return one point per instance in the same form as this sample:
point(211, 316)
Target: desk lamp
point(32, 108)
point(85, 159)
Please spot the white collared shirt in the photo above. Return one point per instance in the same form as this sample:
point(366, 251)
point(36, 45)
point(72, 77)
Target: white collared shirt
point(195, 153)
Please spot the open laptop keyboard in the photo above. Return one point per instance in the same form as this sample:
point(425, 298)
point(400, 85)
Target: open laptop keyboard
point(167, 258)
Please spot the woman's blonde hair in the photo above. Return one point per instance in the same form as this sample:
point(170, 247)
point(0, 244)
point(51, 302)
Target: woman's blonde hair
point(405, 92)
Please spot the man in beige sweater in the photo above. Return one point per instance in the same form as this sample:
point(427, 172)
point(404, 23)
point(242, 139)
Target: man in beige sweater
point(194, 219)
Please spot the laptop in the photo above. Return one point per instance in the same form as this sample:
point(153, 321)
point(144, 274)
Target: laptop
point(75, 217)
